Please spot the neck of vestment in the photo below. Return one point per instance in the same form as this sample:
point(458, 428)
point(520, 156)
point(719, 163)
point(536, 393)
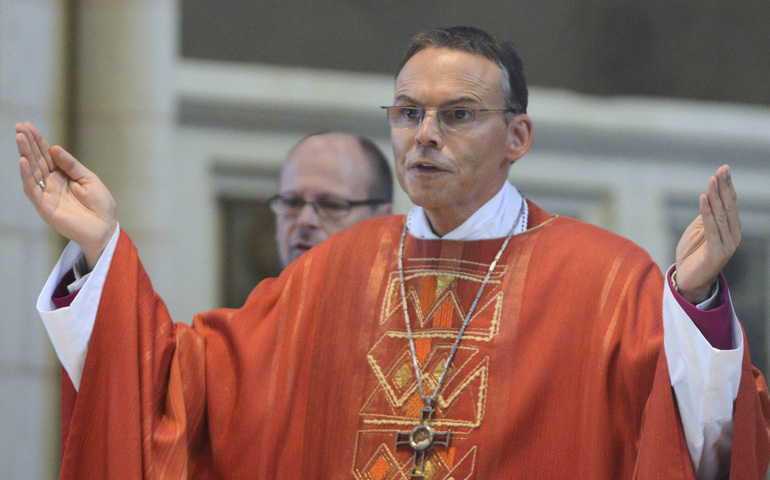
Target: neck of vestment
point(504, 212)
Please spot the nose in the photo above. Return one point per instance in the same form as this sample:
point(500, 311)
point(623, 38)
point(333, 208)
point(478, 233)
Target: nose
point(308, 216)
point(429, 130)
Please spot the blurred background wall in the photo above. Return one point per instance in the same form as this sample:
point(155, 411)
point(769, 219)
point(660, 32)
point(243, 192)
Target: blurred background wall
point(187, 108)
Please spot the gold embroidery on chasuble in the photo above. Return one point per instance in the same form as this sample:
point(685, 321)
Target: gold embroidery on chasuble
point(439, 292)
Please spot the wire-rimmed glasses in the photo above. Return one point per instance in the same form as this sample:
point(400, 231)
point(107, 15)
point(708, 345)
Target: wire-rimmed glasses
point(326, 208)
point(410, 116)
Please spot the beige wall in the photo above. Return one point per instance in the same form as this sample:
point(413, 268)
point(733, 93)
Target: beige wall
point(31, 83)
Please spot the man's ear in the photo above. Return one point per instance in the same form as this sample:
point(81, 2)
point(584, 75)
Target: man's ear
point(519, 137)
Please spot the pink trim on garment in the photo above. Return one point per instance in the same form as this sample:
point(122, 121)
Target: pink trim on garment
point(714, 324)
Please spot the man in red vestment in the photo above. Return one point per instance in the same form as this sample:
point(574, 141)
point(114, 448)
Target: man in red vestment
point(478, 337)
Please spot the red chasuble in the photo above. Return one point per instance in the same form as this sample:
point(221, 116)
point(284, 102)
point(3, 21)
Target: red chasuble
point(560, 374)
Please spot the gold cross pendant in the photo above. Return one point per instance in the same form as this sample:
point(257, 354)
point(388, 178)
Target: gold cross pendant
point(422, 439)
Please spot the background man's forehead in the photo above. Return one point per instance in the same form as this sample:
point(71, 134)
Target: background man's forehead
point(449, 50)
point(327, 142)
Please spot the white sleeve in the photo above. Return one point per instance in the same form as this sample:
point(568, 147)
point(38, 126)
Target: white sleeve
point(70, 327)
point(705, 381)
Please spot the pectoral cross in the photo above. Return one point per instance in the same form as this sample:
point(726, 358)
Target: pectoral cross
point(422, 439)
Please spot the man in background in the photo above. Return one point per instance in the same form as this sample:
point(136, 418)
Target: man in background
point(329, 182)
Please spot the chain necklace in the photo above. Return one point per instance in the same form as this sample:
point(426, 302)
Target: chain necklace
point(424, 437)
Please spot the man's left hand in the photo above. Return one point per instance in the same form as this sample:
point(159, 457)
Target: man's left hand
point(710, 240)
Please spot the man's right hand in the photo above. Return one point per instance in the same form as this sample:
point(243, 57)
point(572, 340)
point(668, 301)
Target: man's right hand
point(74, 201)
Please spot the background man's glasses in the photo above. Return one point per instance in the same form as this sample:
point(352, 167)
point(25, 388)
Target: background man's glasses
point(451, 118)
point(326, 208)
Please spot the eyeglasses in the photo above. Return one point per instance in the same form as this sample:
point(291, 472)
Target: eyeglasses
point(326, 208)
point(451, 118)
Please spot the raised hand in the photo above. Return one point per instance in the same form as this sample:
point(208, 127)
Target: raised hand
point(710, 240)
point(67, 195)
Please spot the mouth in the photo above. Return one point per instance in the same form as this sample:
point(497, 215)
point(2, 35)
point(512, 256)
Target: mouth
point(425, 167)
point(301, 247)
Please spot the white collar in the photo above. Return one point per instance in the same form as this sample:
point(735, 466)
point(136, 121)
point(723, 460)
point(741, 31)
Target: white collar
point(493, 220)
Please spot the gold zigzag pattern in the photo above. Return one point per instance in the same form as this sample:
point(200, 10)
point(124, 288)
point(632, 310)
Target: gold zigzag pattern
point(468, 377)
point(480, 372)
point(392, 302)
point(478, 334)
point(445, 399)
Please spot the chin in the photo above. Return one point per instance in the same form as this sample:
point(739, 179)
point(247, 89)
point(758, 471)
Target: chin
point(426, 197)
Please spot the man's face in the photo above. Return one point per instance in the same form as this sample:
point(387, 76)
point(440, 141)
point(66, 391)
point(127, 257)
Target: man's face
point(451, 173)
point(331, 166)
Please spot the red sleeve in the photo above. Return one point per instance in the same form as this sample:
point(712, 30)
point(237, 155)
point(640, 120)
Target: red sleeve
point(137, 404)
point(662, 434)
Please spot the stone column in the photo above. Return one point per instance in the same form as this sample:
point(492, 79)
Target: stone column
point(124, 109)
point(111, 103)
point(32, 65)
